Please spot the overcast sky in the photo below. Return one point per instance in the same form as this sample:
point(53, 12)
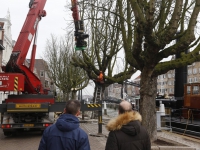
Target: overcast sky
point(54, 23)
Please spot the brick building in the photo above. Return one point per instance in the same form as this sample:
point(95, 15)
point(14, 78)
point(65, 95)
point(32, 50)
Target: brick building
point(40, 70)
point(165, 82)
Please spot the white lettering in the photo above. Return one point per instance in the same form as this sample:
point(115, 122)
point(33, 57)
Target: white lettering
point(3, 86)
point(4, 78)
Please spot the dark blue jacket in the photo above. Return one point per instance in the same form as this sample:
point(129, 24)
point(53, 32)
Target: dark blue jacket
point(65, 134)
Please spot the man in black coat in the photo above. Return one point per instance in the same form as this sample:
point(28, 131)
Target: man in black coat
point(126, 132)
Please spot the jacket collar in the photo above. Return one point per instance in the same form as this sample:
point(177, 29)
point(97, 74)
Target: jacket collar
point(123, 119)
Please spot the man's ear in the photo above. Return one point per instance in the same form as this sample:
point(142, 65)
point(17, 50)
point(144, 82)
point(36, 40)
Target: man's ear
point(78, 113)
point(64, 110)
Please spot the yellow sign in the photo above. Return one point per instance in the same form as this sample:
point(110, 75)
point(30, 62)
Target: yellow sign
point(93, 105)
point(27, 105)
point(16, 84)
point(28, 125)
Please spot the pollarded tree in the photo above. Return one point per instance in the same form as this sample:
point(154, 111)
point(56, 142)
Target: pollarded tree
point(150, 29)
point(66, 77)
point(104, 44)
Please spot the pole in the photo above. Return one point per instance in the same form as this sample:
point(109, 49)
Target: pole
point(100, 120)
point(105, 108)
point(82, 103)
point(122, 91)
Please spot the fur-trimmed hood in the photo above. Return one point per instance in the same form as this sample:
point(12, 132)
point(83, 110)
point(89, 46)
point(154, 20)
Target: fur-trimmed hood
point(127, 133)
point(123, 119)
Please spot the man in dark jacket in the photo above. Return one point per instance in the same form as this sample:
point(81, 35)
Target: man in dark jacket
point(126, 132)
point(66, 134)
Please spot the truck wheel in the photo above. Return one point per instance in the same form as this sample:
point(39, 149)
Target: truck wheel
point(7, 133)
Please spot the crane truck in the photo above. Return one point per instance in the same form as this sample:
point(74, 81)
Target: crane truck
point(28, 105)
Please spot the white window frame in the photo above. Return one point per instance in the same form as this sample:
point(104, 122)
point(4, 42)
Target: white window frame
point(189, 72)
point(195, 79)
point(190, 80)
point(194, 70)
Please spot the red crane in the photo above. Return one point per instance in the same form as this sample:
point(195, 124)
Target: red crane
point(30, 106)
point(26, 80)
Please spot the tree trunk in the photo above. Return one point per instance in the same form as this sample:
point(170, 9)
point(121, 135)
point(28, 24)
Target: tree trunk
point(148, 90)
point(74, 94)
point(65, 97)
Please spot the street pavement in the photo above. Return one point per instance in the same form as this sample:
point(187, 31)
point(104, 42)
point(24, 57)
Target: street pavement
point(97, 140)
point(30, 140)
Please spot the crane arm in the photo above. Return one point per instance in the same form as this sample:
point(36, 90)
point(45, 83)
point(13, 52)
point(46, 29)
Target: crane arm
point(32, 83)
point(27, 33)
point(79, 34)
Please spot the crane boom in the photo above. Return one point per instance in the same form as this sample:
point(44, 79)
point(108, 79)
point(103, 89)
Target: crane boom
point(79, 34)
point(28, 31)
point(15, 64)
point(75, 11)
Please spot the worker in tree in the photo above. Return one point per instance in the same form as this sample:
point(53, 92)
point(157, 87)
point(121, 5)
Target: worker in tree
point(100, 78)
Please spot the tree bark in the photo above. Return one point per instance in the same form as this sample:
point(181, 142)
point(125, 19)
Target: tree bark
point(147, 108)
point(74, 94)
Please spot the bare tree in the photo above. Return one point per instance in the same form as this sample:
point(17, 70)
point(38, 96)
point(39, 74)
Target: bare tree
point(66, 77)
point(104, 44)
point(149, 29)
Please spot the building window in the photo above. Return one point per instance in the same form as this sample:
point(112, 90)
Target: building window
point(164, 76)
point(46, 83)
point(41, 73)
point(194, 71)
point(189, 71)
point(188, 89)
point(169, 75)
point(195, 79)
point(190, 80)
point(195, 89)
